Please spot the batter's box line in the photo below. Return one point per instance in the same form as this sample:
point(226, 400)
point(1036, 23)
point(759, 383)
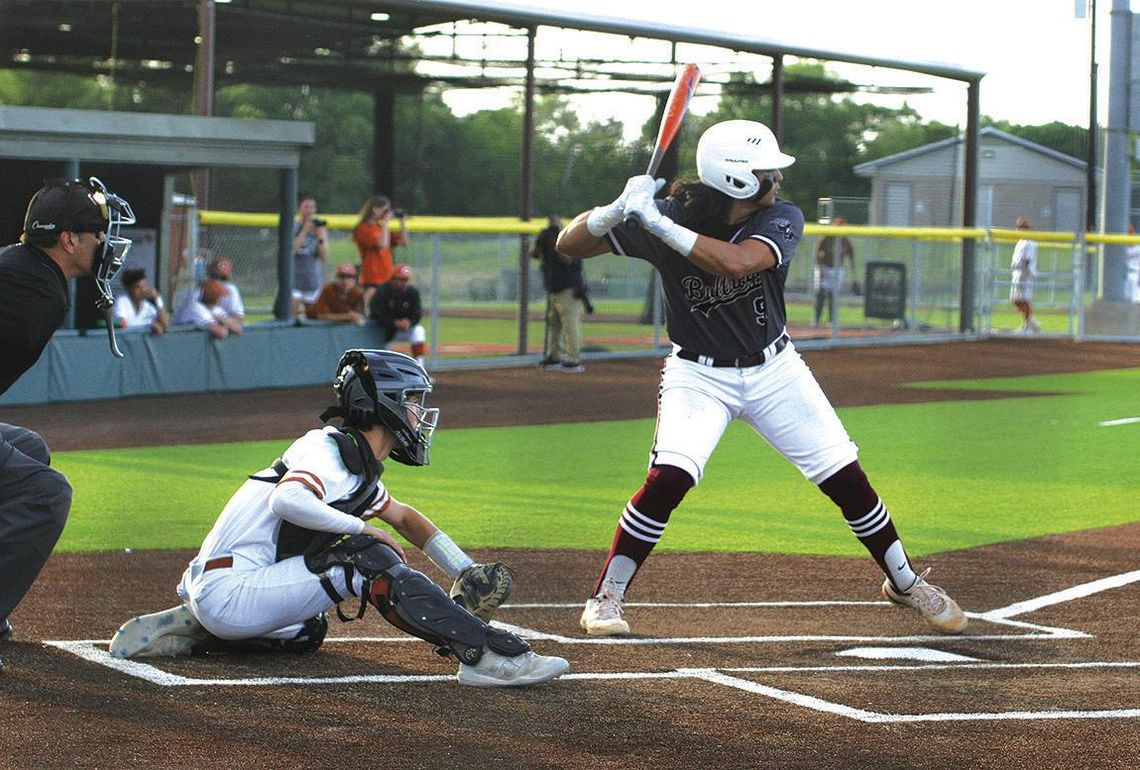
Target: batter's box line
point(714, 676)
point(90, 651)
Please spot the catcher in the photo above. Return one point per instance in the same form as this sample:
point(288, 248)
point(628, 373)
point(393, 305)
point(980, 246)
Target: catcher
point(294, 541)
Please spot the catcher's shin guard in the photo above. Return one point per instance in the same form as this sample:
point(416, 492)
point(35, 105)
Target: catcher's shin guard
point(410, 601)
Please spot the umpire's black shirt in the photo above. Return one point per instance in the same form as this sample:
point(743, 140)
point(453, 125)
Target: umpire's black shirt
point(34, 301)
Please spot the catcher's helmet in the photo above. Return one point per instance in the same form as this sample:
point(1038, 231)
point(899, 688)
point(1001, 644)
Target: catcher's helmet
point(729, 152)
point(383, 387)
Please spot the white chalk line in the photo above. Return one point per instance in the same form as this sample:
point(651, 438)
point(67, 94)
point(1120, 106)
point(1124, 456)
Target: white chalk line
point(95, 652)
point(1122, 421)
point(721, 677)
point(877, 717)
point(1057, 597)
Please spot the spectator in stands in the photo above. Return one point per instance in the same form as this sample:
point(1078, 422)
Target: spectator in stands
point(206, 313)
point(223, 270)
point(375, 240)
point(141, 306)
point(310, 251)
point(340, 299)
point(396, 308)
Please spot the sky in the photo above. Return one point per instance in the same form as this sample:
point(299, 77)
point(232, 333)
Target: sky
point(1035, 52)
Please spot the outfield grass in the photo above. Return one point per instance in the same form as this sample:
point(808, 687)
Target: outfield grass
point(954, 474)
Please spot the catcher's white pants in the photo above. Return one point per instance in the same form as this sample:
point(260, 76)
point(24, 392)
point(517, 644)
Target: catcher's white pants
point(780, 399)
point(247, 601)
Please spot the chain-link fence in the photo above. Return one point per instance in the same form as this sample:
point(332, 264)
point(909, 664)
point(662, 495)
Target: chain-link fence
point(905, 283)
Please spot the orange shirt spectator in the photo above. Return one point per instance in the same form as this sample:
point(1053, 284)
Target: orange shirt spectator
point(375, 240)
point(339, 300)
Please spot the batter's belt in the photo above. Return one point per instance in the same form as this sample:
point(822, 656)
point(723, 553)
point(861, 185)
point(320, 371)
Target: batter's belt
point(755, 359)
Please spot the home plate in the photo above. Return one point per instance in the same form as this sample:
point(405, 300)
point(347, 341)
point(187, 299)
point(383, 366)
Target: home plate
point(903, 653)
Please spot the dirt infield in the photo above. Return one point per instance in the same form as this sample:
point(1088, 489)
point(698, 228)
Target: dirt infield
point(756, 661)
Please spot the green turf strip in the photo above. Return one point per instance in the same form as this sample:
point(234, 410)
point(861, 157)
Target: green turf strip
point(954, 474)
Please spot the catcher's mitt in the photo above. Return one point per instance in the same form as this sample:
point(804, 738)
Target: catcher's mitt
point(481, 588)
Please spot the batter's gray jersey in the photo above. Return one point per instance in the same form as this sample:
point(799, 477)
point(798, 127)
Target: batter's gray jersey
point(711, 315)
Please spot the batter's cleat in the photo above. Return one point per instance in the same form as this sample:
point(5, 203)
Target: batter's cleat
point(171, 632)
point(495, 670)
point(5, 630)
point(939, 611)
point(602, 616)
point(482, 588)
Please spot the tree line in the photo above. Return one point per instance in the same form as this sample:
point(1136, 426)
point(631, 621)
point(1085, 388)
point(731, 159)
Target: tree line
point(469, 165)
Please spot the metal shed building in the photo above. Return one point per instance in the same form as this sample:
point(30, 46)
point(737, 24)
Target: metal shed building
point(923, 187)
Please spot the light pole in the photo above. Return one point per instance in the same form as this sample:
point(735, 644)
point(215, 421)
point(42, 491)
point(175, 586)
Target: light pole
point(1090, 156)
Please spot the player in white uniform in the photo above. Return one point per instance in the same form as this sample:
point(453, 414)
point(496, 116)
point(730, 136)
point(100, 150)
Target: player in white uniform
point(723, 246)
point(277, 558)
point(1023, 269)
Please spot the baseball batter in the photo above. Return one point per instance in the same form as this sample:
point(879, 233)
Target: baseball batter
point(722, 246)
point(278, 557)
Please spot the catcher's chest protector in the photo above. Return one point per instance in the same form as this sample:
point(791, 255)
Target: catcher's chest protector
point(357, 457)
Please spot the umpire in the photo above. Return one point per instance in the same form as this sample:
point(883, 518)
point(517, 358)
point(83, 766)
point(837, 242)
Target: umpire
point(70, 229)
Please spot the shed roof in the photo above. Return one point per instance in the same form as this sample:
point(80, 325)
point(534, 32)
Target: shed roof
point(872, 167)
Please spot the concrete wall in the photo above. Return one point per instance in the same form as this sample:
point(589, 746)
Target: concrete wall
point(80, 367)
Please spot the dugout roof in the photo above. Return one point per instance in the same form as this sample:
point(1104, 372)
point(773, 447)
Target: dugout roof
point(353, 44)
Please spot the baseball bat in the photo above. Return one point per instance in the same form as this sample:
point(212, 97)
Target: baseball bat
point(676, 106)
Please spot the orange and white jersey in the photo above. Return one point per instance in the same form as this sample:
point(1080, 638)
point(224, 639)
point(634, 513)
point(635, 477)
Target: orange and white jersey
point(249, 524)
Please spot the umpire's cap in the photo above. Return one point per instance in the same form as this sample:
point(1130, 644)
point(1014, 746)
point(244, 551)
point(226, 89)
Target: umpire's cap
point(64, 204)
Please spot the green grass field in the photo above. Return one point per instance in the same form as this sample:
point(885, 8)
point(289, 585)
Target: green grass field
point(955, 475)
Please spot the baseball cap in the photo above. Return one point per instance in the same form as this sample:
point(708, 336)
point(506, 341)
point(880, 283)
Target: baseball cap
point(402, 271)
point(347, 270)
point(65, 204)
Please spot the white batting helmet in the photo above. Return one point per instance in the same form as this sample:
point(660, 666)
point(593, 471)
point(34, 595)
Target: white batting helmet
point(729, 152)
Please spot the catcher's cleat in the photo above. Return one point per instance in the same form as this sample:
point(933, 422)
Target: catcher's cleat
point(940, 611)
point(495, 670)
point(603, 616)
point(481, 588)
point(171, 632)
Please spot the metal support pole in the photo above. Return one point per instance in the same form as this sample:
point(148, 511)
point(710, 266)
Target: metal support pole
point(968, 296)
point(1091, 150)
point(1117, 184)
point(527, 192)
point(283, 305)
point(778, 96)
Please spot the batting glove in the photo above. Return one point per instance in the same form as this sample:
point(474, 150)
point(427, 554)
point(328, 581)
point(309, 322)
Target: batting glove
point(644, 210)
point(603, 218)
